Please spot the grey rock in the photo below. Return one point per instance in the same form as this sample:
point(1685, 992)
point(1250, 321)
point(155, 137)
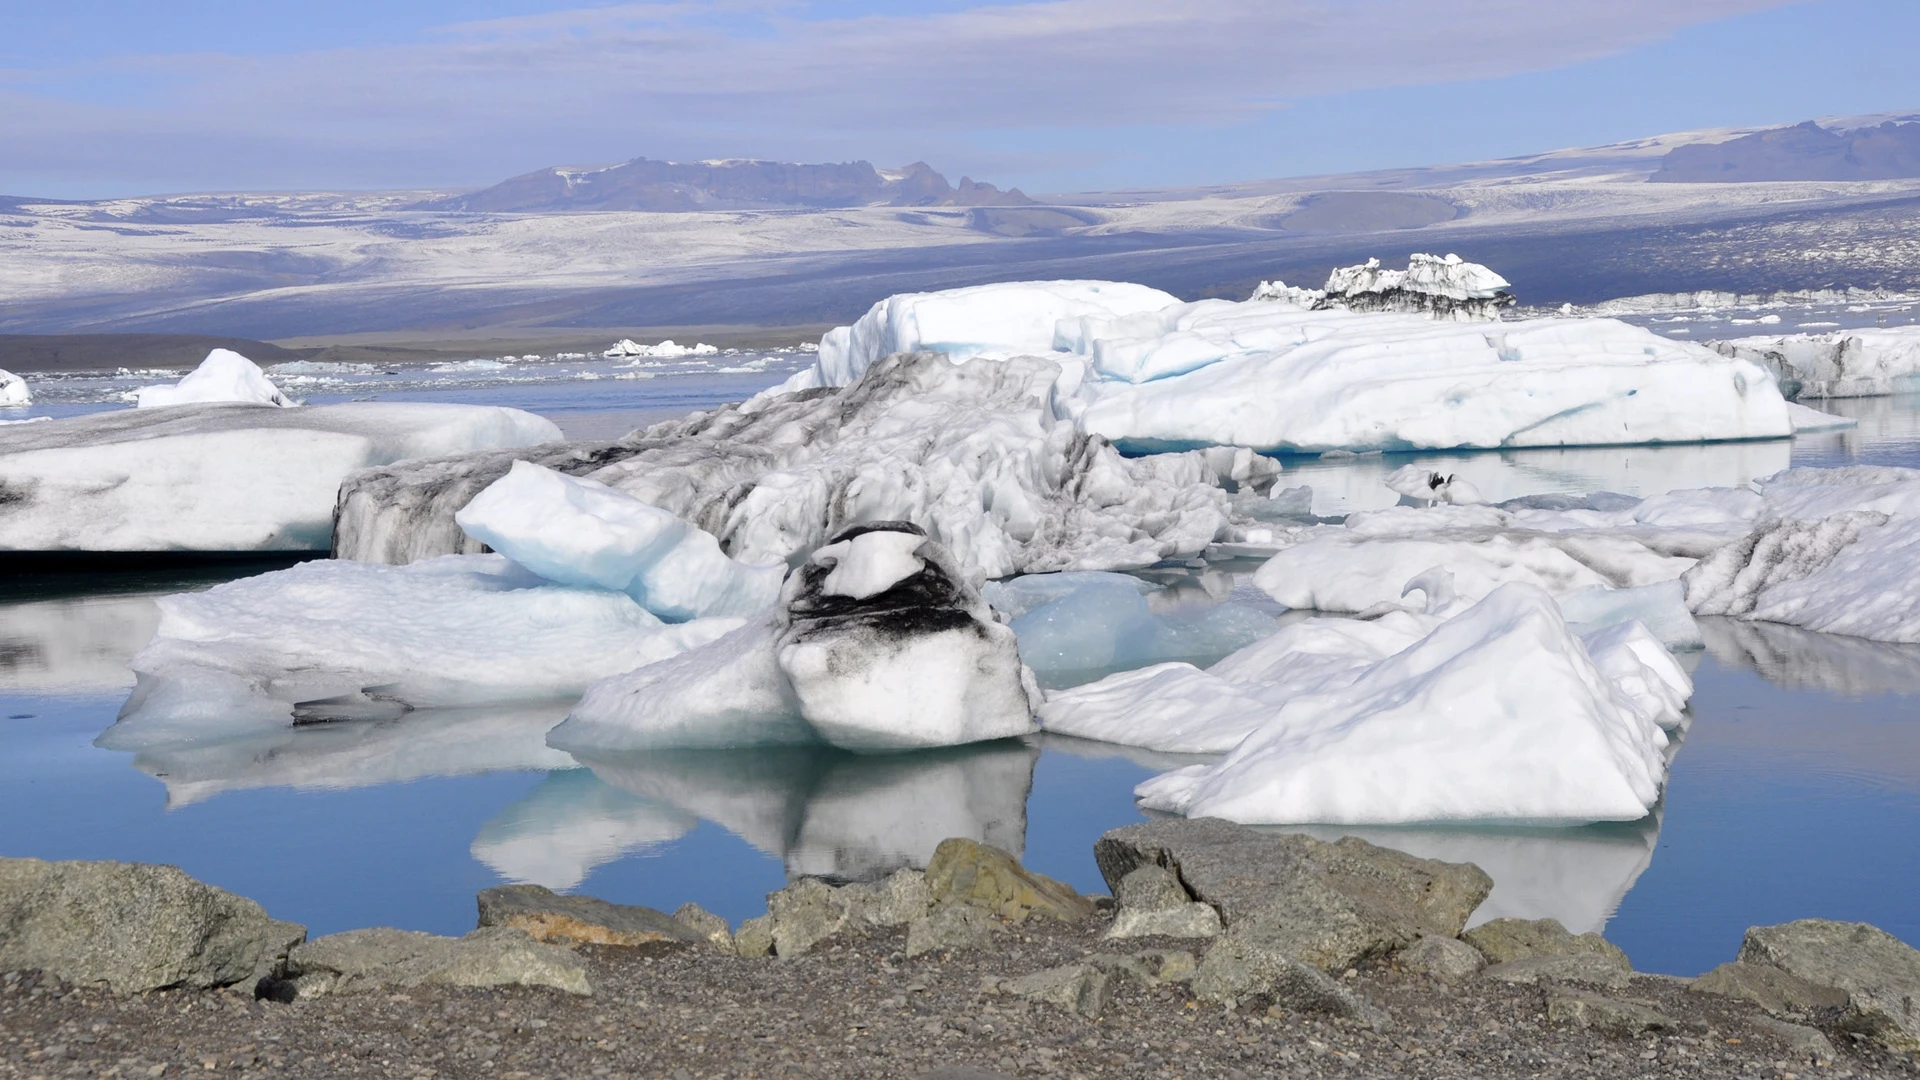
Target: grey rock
point(712, 928)
point(1768, 987)
point(1879, 973)
point(134, 926)
point(1329, 905)
point(1238, 967)
point(1190, 920)
point(1803, 1042)
point(962, 1072)
point(1151, 888)
point(1590, 968)
point(1449, 960)
point(1085, 989)
point(754, 938)
point(896, 900)
point(804, 914)
point(384, 958)
point(949, 927)
point(1604, 1014)
point(1154, 967)
point(549, 916)
point(1506, 940)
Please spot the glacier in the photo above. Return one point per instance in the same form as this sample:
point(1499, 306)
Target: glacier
point(970, 453)
point(1866, 362)
point(224, 375)
point(1499, 714)
point(220, 477)
point(881, 642)
point(1277, 377)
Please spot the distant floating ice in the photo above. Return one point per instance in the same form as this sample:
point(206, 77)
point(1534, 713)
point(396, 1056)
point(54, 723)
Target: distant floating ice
point(13, 390)
point(224, 375)
point(666, 350)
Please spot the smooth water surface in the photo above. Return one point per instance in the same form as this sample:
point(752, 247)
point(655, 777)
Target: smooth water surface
point(1795, 793)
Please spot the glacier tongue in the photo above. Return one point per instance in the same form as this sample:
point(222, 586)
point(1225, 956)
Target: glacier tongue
point(971, 453)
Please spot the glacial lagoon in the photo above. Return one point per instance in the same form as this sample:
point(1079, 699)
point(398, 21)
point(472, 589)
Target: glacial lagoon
point(1795, 792)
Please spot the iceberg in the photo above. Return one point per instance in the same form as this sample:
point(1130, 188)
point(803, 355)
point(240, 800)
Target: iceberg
point(13, 390)
point(1096, 622)
point(1867, 362)
point(666, 350)
point(881, 643)
point(1442, 288)
point(580, 532)
point(970, 453)
point(221, 477)
point(224, 375)
point(1273, 377)
point(336, 640)
point(1498, 715)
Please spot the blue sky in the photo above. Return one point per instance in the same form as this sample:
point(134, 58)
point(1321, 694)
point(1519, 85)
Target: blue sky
point(115, 97)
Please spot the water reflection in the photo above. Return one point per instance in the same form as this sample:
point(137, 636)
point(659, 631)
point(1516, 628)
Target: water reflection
point(571, 824)
point(1887, 433)
point(354, 754)
point(831, 814)
point(76, 645)
point(1806, 660)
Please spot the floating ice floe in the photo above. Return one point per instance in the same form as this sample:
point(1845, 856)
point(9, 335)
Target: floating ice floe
point(1442, 288)
point(1835, 550)
point(580, 532)
point(1497, 714)
point(13, 390)
point(221, 477)
point(1868, 362)
point(224, 375)
point(1275, 377)
point(336, 640)
point(970, 453)
point(1088, 623)
point(880, 643)
point(666, 350)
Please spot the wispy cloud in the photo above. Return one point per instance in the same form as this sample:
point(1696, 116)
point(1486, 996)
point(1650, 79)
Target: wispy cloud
point(783, 78)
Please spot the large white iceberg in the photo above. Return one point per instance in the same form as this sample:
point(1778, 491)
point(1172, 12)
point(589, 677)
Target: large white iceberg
point(1498, 714)
point(227, 477)
point(580, 532)
point(332, 640)
point(13, 390)
point(1867, 362)
point(970, 453)
point(224, 375)
point(1274, 377)
point(881, 643)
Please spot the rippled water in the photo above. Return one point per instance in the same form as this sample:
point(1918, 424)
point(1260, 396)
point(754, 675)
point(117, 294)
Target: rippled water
point(1795, 793)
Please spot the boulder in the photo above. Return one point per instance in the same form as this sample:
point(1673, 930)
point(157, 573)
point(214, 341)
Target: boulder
point(810, 911)
point(1590, 968)
point(1879, 973)
point(1154, 967)
point(1153, 903)
point(549, 916)
point(134, 926)
point(1803, 1042)
point(1239, 967)
point(1328, 904)
point(1604, 1014)
point(709, 926)
point(1768, 987)
point(754, 938)
point(1449, 960)
point(949, 927)
point(965, 871)
point(1084, 989)
point(1503, 941)
point(383, 958)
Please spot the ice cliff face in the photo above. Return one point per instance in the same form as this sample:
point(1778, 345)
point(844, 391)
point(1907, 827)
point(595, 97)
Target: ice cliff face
point(1444, 288)
point(971, 453)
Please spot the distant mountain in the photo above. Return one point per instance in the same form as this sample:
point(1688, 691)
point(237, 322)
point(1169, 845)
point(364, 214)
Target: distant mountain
point(1806, 151)
point(669, 186)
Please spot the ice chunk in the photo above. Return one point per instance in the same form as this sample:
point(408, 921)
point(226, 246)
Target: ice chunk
point(1419, 482)
point(920, 663)
point(1446, 288)
point(1107, 622)
point(1848, 573)
point(666, 350)
point(870, 563)
point(1661, 608)
point(970, 453)
point(219, 477)
point(1805, 419)
point(1867, 362)
point(331, 640)
point(224, 375)
point(1499, 714)
point(13, 390)
point(581, 532)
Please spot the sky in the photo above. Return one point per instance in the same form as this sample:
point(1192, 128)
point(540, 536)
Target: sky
point(104, 98)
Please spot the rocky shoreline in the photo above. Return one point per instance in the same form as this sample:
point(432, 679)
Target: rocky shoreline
point(1223, 952)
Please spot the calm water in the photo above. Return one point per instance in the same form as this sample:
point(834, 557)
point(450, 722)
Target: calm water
point(1796, 792)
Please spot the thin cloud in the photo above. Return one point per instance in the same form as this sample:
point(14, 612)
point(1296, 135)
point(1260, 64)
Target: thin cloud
point(764, 78)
